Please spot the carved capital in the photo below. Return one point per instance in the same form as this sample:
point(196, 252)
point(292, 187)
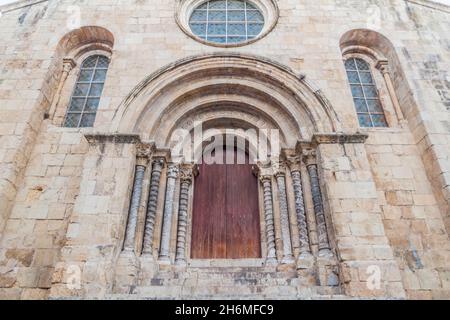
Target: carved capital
point(172, 171)
point(383, 66)
point(309, 157)
point(159, 161)
point(68, 65)
point(279, 168)
point(295, 163)
point(188, 172)
point(264, 171)
point(144, 152)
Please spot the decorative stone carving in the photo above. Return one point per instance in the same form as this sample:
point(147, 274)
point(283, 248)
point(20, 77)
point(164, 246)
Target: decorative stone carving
point(130, 235)
point(295, 166)
point(172, 174)
point(186, 176)
point(144, 150)
point(280, 174)
point(309, 157)
point(157, 167)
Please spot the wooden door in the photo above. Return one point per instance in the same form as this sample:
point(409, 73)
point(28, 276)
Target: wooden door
point(226, 213)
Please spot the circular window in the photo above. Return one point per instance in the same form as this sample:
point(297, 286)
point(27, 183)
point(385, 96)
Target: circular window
point(227, 23)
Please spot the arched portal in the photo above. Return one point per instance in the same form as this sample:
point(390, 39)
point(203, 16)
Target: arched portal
point(227, 210)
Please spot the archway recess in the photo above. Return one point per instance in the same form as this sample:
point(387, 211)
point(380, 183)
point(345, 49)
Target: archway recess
point(225, 91)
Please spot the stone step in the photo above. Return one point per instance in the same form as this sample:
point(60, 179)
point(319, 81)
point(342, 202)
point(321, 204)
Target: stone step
point(228, 297)
point(229, 272)
point(265, 281)
point(236, 291)
point(233, 293)
point(228, 277)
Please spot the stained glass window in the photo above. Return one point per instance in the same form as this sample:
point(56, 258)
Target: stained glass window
point(365, 94)
point(227, 21)
point(86, 95)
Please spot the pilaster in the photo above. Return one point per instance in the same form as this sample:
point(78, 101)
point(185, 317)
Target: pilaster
point(366, 262)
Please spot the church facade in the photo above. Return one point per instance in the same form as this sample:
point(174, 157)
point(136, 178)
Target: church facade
point(211, 149)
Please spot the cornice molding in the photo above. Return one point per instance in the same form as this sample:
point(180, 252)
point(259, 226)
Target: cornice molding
point(339, 138)
point(26, 3)
point(123, 138)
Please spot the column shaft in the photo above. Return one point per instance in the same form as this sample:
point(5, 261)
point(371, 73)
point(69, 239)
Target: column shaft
point(68, 65)
point(301, 215)
point(130, 235)
point(269, 219)
point(182, 222)
point(164, 254)
point(284, 215)
point(384, 68)
point(152, 205)
point(324, 245)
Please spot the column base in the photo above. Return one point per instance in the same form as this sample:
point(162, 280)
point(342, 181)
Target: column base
point(148, 257)
point(180, 263)
point(164, 260)
point(325, 253)
point(127, 252)
point(126, 272)
point(272, 261)
point(305, 261)
point(288, 260)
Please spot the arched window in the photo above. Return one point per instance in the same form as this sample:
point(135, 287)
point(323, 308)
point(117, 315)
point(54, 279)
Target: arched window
point(86, 95)
point(365, 94)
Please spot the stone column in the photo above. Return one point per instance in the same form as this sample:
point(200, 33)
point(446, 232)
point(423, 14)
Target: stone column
point(265, 176)
point(311, 164)
point(68, 65)
point(305, 248)
point(157, 167)
point(383, 66)
point(172, 175)
point(186, 176)
point(280, 174)
point(130, 235)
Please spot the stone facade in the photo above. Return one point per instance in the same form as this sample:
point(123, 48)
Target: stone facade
point(106, 212)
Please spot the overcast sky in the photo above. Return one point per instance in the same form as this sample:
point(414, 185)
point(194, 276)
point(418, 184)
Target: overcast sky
point(9, 1)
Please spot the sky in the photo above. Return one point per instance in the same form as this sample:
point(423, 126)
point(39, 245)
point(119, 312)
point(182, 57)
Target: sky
point(9, 1)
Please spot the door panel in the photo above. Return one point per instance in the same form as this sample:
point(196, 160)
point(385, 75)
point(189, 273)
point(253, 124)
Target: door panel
point(225, 212)
point(209, 224)
point(242, 218)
